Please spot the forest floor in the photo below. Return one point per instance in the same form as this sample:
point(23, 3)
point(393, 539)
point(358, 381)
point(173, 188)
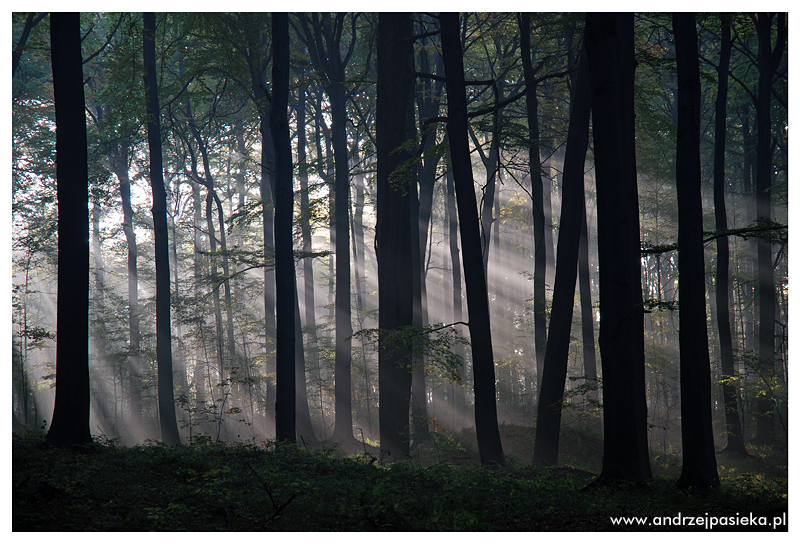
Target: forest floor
point(279, 487)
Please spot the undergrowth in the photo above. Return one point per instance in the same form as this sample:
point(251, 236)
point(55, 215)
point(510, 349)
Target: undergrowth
point(284, 487)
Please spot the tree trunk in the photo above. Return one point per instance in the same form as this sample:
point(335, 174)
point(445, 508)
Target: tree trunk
point(119, 163)
point(166, 400)
point(70, 424)
point(627, 74)
point(537, 192)
point(699, 461)
point(394, 128)
point(733, 426)
point(548, 422)
point(285, 287)
point(488, 433)
point(616, 252)
point(452, 226)
point(768, 60)
point(305, 227)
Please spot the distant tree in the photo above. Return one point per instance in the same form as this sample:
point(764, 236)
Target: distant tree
point(30, 21)
point(768, 60)
point(394, 129)
point(699, 461)
point(488, 433)
point(323, 37)
point(537, 196)
point(166, 395)
point(285, 288)
point(70, 424)
point(733, 425)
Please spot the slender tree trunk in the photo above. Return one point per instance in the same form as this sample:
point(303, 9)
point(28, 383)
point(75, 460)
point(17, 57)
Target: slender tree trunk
point(119, 163)
point(537, 192)
point(768, 60)
point(455, 259)
point(699, 461)
point(166, 398)
point(488, 433)
point(733, 426)
point(548, 422)
point(285, 283)
point(305, 227)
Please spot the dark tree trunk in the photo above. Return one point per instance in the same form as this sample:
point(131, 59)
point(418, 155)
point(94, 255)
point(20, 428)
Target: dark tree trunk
point(285, 287)
point(166, 397)
point(733, 426)
point(394, 128)
point(699, 461)
point(548, 422)
point(627, 62)
point(70, 424)
point(768, 60)
point(305, 429)
point(488, 433)
point(537, 192)
point(622, 455)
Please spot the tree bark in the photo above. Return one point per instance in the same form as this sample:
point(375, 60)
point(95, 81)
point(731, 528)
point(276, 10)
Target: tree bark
point(285, 286)
point(394, 128)
point(768, 60)
point(699, 461)
point(488, 433)
point(548, 422)
point(166, 397)
point(616, 252)
point(733, 426)
point(70, 424)
point(537, 192)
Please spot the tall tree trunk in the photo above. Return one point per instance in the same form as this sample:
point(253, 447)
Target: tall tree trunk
point(488, 433)
point(285, 286)
point(166, 397)
point(733, 426)
point(616, 252)
point(627, 75)
point(768, 61)
point(452, 226)
point(70, 424)
point(305, 228)
point(537, 192)
point(394, 128)
point(548, 422)
point(699, 461)
point(119, 163)
point(343, 429)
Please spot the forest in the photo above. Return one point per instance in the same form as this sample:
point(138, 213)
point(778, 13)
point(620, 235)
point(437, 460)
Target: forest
point(398, 255)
